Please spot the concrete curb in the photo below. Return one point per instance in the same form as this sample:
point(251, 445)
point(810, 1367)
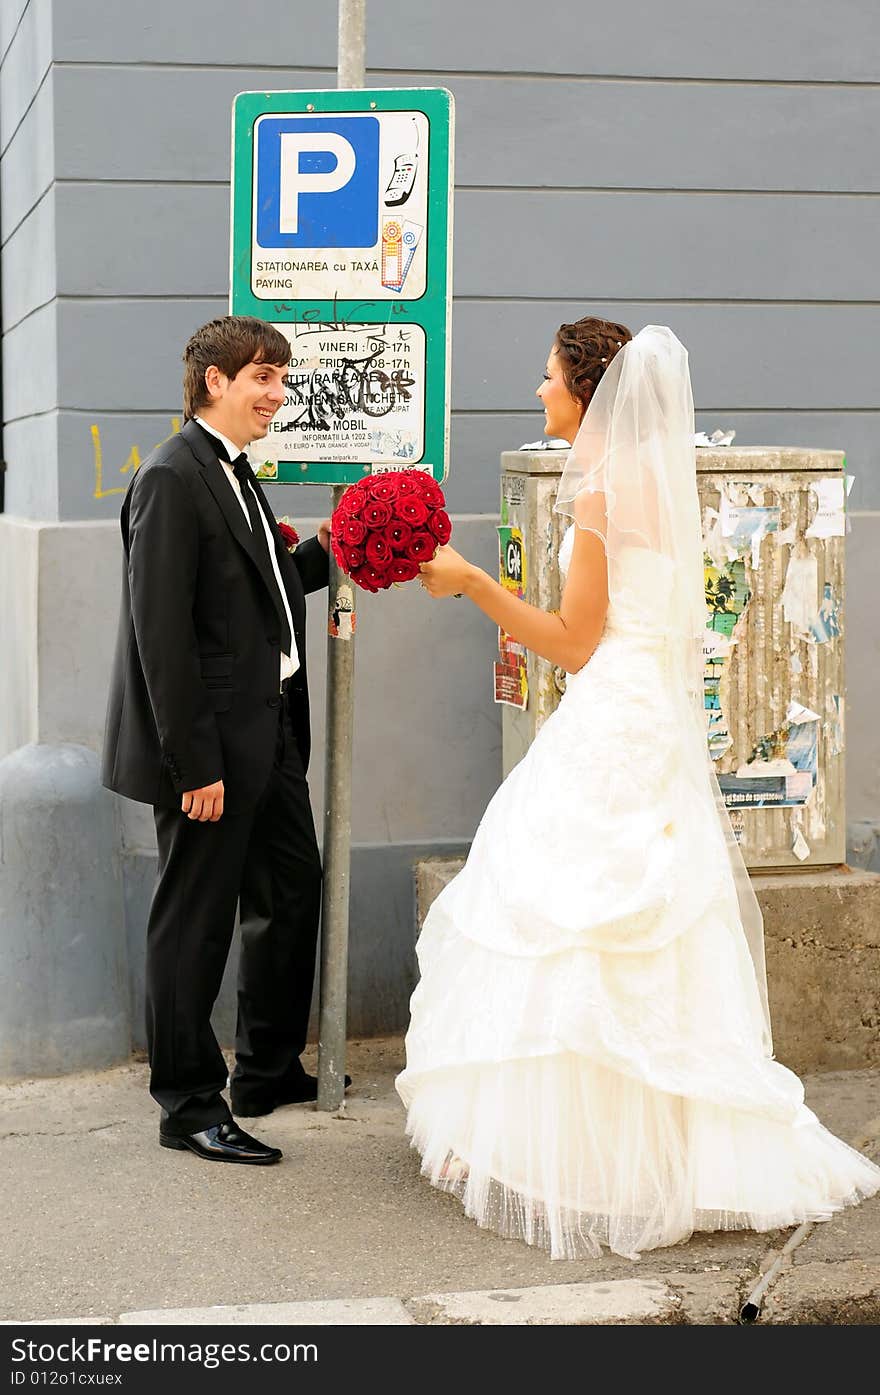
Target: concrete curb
point(841, 1293)
point(680, 1298)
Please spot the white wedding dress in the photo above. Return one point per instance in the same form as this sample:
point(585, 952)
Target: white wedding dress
point(585, 1063)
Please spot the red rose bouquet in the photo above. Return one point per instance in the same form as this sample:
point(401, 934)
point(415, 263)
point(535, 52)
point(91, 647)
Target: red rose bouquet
point(385, 525)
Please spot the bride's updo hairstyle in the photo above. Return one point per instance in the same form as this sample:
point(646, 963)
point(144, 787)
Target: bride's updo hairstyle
point(585, 350)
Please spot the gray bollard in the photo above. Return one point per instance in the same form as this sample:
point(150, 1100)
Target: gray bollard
point(863, 845)
point(64, 1003)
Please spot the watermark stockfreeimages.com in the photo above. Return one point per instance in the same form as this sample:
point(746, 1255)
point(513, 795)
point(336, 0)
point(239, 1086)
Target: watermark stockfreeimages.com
point(95, 1350)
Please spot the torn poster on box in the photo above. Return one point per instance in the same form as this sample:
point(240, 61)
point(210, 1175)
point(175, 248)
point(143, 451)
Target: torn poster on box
point(783, 767)
point(830, 518)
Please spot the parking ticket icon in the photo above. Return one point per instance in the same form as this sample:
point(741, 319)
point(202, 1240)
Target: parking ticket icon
point(316, 181)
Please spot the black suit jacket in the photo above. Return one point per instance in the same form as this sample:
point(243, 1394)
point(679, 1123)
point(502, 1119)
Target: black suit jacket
point(194, 693)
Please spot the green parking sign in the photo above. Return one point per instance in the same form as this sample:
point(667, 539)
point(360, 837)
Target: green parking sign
point(341, 236)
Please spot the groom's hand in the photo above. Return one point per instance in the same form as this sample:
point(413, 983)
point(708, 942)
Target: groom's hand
point(324, 534)
point(205, 804)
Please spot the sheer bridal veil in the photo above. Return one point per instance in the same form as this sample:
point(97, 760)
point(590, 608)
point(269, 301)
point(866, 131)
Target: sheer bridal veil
point(631, 478)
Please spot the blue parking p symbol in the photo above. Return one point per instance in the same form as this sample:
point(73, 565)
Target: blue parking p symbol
point(317, 181)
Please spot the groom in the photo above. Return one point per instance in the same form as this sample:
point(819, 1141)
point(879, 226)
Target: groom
point(208, 721)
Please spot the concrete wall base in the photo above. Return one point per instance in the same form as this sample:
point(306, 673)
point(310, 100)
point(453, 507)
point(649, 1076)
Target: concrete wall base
point(822, 936)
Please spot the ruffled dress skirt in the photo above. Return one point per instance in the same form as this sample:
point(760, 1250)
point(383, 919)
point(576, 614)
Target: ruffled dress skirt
point(585, 1064)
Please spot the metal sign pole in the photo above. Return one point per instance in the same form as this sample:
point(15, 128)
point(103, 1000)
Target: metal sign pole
point(352, 49)
point(339, 724)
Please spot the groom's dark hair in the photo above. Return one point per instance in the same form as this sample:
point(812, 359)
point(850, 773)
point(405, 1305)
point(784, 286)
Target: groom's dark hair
point(585, 349)
point(229, 343)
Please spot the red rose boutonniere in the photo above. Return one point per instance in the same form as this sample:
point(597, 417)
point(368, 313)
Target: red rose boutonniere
point(288, 533)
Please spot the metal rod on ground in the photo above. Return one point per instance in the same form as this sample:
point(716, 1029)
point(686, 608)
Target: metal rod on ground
point(751, 1309)
point(339, 728)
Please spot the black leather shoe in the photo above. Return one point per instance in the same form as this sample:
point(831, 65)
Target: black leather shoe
point(301, 1091)
point(224, 1142)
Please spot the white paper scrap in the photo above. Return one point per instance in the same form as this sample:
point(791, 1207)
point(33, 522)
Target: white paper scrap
point(797, 714)
point(763, 769)
point(716, 548)
point(718, 438)
point(800, 847)
point(717, 645)
point(787, 535)
point(800, 594)
point(830, 520)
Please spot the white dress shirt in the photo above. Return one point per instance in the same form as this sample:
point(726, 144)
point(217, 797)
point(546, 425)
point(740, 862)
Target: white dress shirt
point(289, 662)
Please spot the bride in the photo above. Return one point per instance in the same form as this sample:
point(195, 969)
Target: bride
point(589, 1058)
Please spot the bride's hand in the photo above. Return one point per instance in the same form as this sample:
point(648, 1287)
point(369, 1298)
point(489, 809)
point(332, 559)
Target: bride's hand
point(447, 575)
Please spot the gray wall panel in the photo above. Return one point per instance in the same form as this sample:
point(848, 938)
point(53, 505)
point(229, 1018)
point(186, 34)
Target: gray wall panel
point(683, 38)
point(478, 440)
point(29, 263)
point(27, 168)
point(126, 354)
point(498, 354)
point(174, 124)
point(667, 245)
point(100, 453)
point(741, 356)
point(665, 135)
point(11, 12)
point(692, 39)
point(172, 239)
point(30, 365)
point(31, 450)
point(143, 239)
point(167, 123)
point(197, 31)
point(808, 356)
point(24, 66)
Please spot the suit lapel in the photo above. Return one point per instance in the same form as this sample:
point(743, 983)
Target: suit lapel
point(216, 479)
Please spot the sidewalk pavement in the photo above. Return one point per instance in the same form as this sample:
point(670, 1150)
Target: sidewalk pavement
point(100, 1225)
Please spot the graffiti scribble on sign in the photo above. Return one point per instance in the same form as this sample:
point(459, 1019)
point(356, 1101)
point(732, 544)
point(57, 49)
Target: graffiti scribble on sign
point(355, 388)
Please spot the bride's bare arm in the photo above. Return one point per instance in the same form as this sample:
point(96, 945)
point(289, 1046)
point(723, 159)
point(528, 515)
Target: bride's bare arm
point(567, 637)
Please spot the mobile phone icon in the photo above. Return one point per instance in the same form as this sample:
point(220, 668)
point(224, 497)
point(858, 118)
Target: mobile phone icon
point(403, 177)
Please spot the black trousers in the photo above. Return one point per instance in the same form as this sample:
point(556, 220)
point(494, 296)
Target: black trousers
point(266, 860)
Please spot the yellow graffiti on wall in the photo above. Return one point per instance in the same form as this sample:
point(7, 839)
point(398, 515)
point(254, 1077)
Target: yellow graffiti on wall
point(132, 462)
